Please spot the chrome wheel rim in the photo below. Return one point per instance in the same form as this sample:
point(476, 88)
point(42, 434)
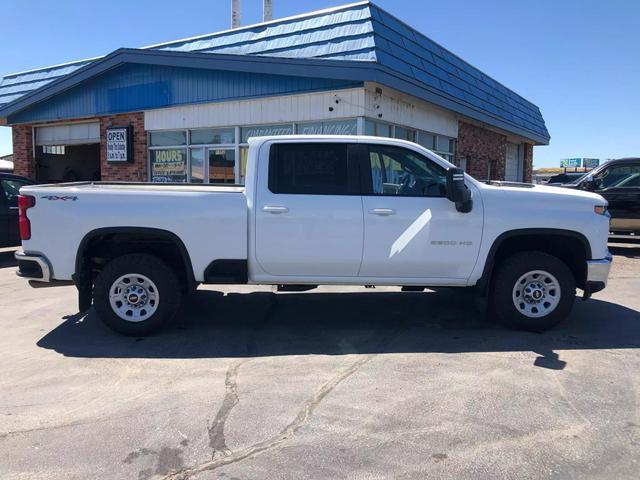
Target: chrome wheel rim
point(536, 294)
point(134, 297)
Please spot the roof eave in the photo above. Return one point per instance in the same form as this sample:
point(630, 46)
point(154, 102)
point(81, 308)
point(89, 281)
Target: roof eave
point(308, 67)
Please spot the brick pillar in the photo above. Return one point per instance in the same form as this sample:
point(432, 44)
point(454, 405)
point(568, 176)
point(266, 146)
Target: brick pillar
point(484, 150)
point(23, 163)
point(528, 162)
point(129, 172)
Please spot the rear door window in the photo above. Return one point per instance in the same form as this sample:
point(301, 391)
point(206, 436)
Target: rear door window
point(313, 169)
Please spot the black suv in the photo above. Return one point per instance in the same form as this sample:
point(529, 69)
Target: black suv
point(618, 181)
point(9, 187)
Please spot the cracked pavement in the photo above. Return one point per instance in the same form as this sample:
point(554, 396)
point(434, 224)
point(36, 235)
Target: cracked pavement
point(333, 383)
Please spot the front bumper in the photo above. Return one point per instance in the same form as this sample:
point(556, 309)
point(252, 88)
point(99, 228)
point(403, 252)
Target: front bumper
point(33, 267)
point(598, 274)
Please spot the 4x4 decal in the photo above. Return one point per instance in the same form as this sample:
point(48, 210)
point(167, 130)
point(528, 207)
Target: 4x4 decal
point(56, 197)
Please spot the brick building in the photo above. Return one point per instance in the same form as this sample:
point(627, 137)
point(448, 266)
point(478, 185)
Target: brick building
point(189, 106)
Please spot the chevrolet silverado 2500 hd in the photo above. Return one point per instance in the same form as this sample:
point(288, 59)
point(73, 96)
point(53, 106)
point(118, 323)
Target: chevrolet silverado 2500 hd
point(318, 210)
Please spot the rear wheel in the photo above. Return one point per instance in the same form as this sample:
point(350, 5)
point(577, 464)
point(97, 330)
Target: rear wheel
point(136, 294)
point(533, 291)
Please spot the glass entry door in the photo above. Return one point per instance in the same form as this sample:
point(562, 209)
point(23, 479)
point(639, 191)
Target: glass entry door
point(212, 165)
point(222, 165)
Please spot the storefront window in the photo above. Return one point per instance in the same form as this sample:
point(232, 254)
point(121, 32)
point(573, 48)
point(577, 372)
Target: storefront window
point(197, 165)
point(444, 144)
point(339, 127)
point(244, 154)
point(427, 140)
point(222, 166)
point(168, 139)
point(169, 165)
point(218, 136)
point(265, 130)
point(405, 134)
point(377, 129)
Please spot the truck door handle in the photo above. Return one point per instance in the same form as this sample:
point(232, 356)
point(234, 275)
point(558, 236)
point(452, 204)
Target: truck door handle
point(275, 209)
point(382, 211)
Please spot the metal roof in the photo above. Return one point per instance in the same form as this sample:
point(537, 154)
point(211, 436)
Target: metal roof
point(358, 32)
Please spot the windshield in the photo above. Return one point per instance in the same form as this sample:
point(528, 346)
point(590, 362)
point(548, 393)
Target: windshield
point(578, 179)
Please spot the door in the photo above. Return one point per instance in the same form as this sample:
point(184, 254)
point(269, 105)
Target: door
point(513, 168)
point(9, 190)
point(212, 165)
point(308, 211)
point(620, 186)
point(411, 229)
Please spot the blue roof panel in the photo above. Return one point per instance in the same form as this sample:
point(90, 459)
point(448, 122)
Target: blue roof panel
point(360, 32)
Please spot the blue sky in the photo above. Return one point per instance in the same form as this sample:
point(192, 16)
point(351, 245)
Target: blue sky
point(578, 60)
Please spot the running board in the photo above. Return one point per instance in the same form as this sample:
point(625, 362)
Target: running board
point(296, 288)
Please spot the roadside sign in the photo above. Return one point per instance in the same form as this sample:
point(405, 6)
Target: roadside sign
point(570, 162)
point(590, 162)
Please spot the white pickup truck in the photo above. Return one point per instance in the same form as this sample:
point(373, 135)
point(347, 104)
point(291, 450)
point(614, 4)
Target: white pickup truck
point(317, 210)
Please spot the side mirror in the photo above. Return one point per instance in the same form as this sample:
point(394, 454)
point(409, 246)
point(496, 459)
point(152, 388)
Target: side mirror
point(457, 191)
point(590, 184)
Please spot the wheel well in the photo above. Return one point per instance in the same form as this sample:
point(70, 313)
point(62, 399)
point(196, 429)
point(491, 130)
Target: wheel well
point(571, 249)
point(100, 247)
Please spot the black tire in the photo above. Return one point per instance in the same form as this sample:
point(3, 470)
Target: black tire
point(511, 270)
point(163, 278)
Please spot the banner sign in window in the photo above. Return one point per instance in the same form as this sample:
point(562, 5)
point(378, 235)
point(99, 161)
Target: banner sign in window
point(169, 165)
point(119, 145)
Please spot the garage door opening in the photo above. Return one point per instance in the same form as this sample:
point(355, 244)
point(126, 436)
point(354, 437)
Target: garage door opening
point(68, 153)
point(67, 163)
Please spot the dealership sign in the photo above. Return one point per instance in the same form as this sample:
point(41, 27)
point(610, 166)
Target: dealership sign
point(119, 145)
point(579, 162)
point(570, 162)
point(590, 162)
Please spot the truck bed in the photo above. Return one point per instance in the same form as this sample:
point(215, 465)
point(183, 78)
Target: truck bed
point(209, 220)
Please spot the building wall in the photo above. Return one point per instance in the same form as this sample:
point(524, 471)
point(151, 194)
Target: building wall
point(484, 151)
point(134, 172)
point(389, 105)
point(23, 163)
point(283, 109)
point(128, 172)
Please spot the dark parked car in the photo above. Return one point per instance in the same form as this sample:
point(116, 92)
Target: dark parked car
point(618, 181)
point(9, 187)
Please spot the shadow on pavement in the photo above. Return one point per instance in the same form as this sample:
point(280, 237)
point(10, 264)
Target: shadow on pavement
point(629, 251)
point(212, 325)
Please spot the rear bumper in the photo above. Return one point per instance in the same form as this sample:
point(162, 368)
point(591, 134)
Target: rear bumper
point(33, 267)
point(598, 274)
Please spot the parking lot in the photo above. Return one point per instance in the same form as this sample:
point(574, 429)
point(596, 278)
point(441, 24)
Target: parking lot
point(333, 383)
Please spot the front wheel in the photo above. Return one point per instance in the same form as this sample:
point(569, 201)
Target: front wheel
point(136, 294)
point(533, 291)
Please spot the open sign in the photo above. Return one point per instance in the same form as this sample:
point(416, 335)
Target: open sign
point(119, 140)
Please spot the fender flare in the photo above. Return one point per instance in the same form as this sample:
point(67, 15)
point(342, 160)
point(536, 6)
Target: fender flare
point(170, 236)
point(485, 279)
